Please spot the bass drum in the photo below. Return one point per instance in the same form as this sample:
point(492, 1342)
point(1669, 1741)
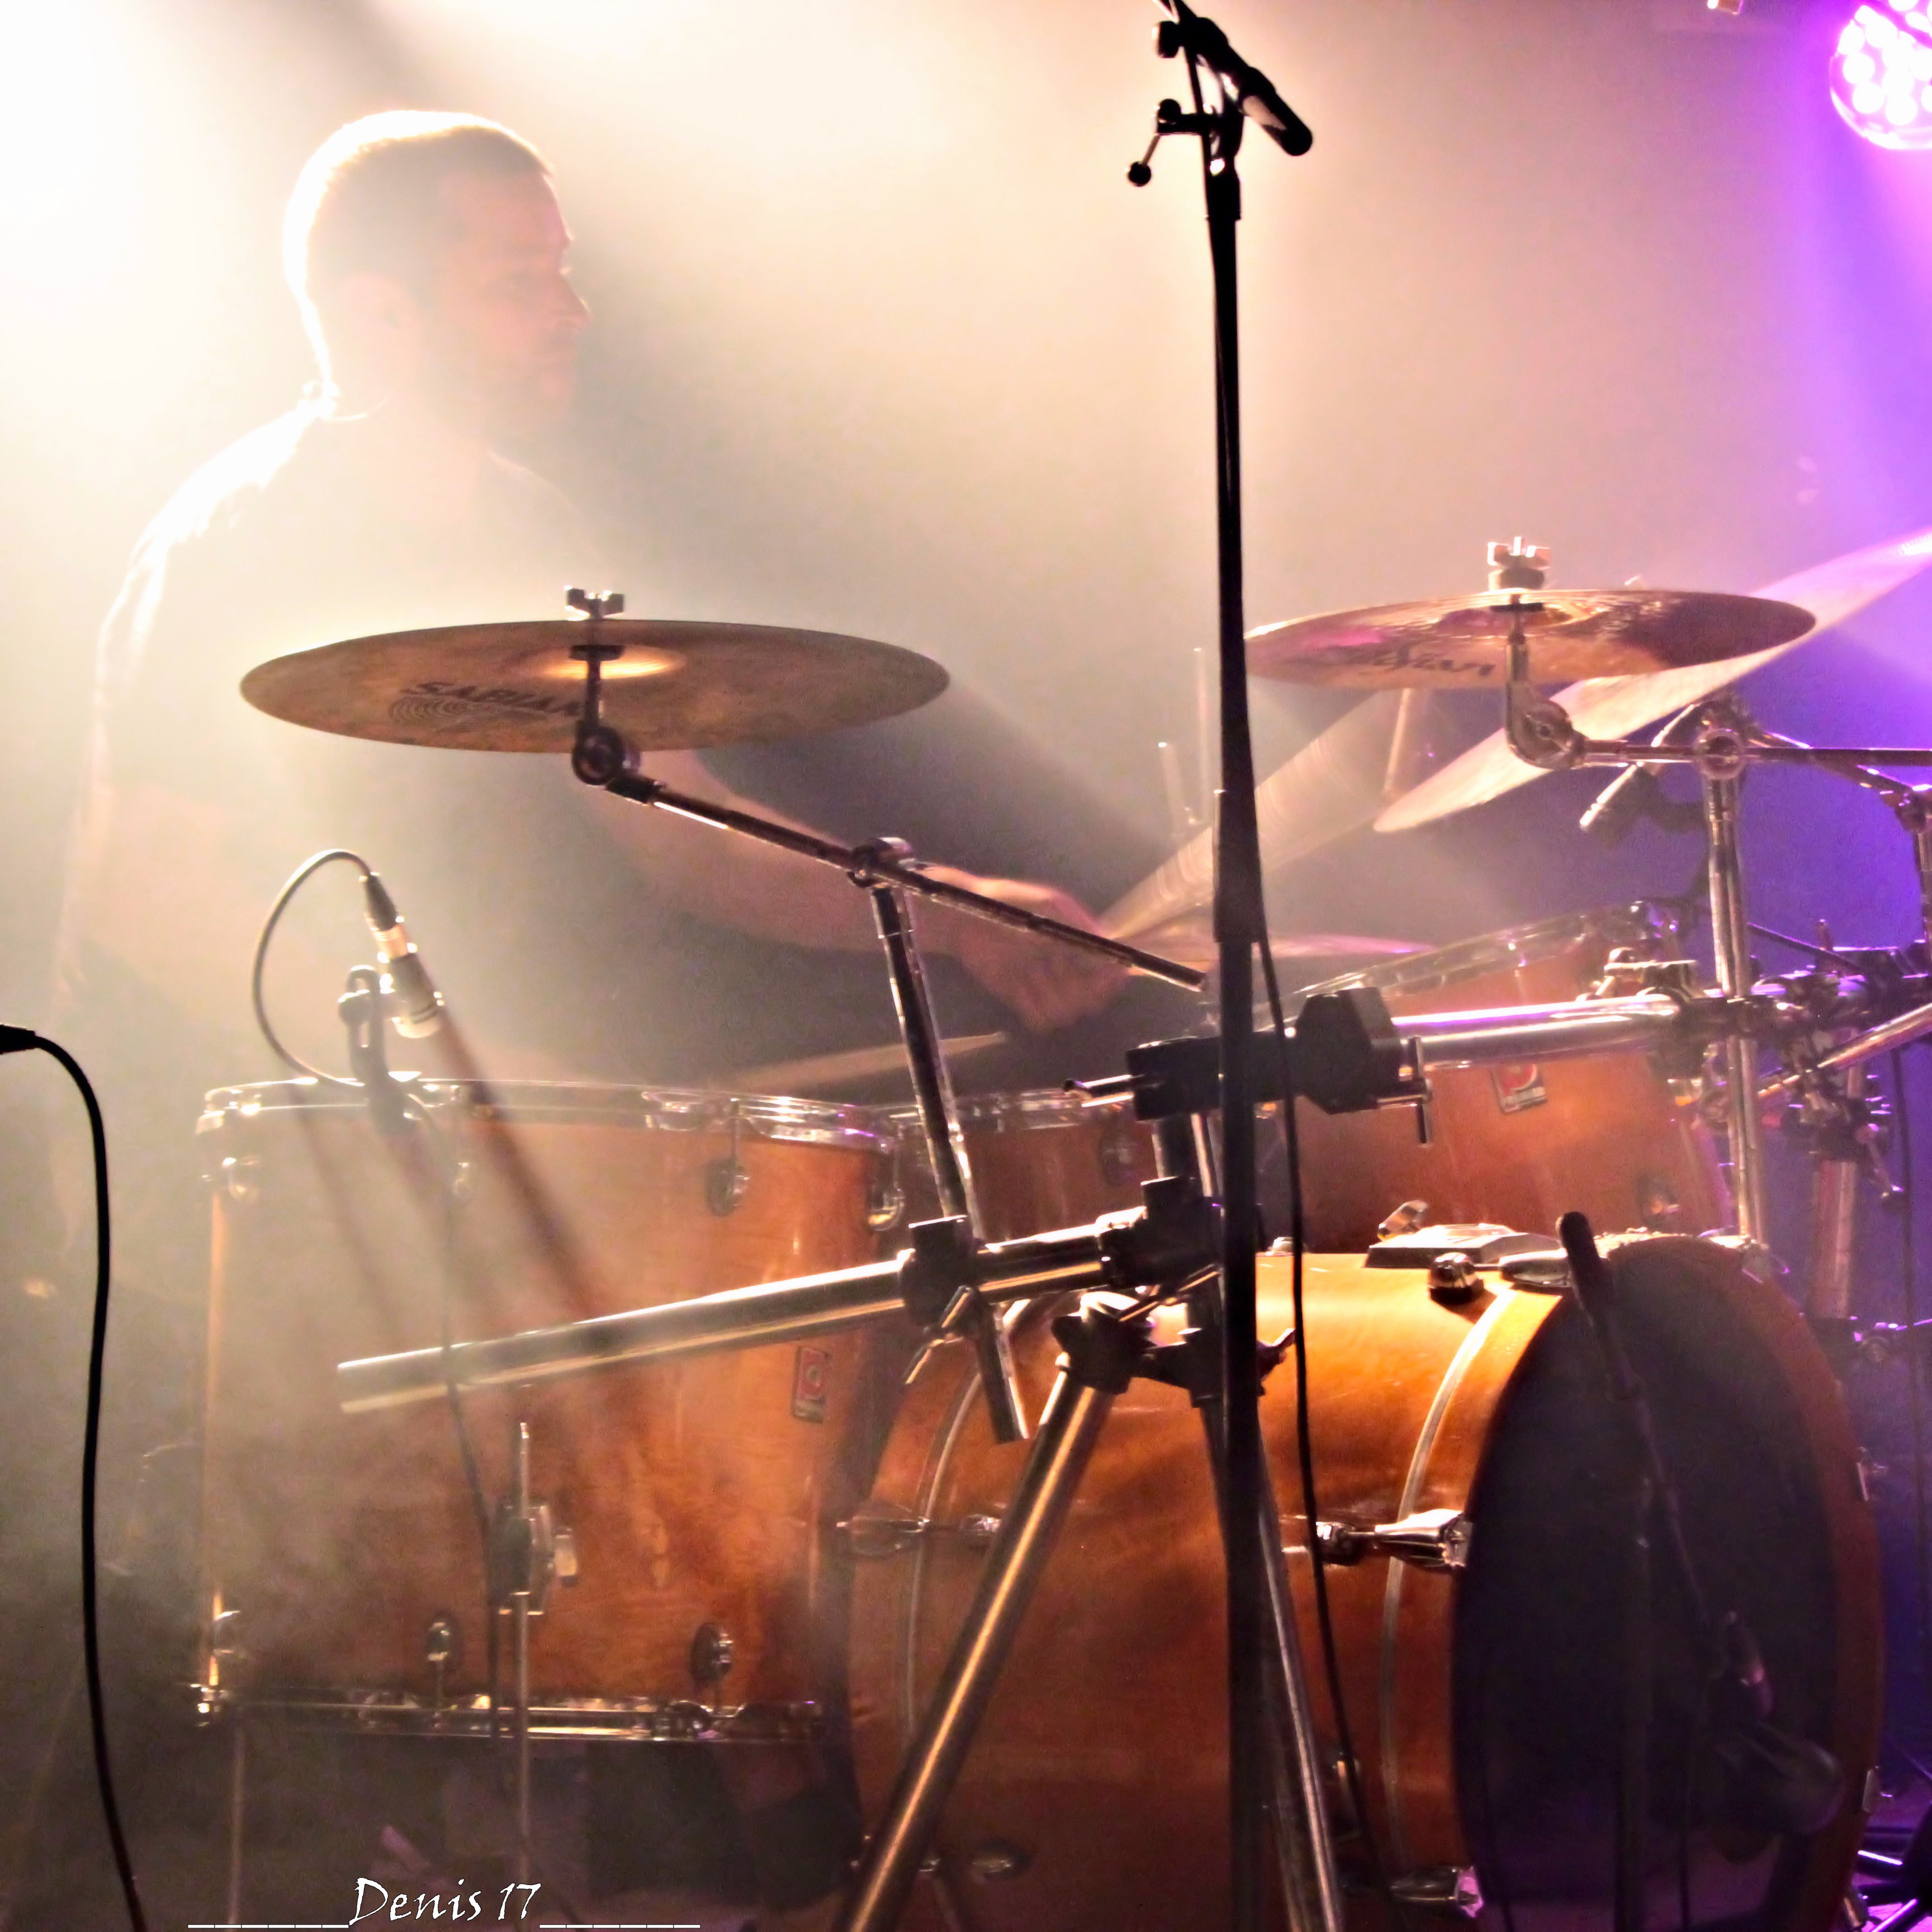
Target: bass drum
point(1483, 1703)
point(342, 1566)
point(1610, 1134)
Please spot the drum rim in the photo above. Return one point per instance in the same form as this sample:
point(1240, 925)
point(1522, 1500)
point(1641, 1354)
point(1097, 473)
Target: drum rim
point(1019, 1111)
point(770, 1117)
point(1507, 947)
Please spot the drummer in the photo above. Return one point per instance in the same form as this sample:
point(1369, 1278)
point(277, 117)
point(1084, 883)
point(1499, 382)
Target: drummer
point(428, 255)
point(573, 935)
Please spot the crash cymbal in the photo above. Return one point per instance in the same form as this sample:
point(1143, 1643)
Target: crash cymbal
point(1571, 633)
point(515, 687)
point(1615, 707)
point(1332, 785)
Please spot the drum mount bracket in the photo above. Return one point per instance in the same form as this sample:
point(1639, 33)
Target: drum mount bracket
point(1170, 1240)
point(1342, 1052)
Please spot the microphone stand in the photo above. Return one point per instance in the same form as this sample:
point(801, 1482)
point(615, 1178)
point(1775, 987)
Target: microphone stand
point(1240, 92)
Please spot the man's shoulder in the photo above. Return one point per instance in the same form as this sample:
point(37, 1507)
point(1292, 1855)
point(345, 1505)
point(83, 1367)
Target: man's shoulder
point(228, 489)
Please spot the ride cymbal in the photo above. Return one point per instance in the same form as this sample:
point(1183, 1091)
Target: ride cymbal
point(1614, 707)
point(515, 687)
point(1571, 634)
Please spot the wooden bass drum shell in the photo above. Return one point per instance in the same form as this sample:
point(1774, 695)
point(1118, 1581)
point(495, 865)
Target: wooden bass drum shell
point(1483, 1705)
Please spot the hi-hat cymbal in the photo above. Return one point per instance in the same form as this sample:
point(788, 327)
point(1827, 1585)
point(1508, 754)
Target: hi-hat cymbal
point(1571, 634)
point(1614, 707)
point(515, 687)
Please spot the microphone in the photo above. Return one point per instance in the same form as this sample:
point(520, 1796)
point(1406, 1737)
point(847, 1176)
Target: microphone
point(1250, 89)
point(416, 1006)
point(1630, 795)
point(1635, 794)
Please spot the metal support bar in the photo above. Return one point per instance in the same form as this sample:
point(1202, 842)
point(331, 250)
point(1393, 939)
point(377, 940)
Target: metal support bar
point(1730, 938)
point(945, 1144)
point(602, 758)
point(1099, 1363)
point(1170, 1240)
point(519, 1607)
point(1835, 1201)
point(1886, 1037)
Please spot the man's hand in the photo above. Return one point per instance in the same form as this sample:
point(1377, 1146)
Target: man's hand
point(1047, 983)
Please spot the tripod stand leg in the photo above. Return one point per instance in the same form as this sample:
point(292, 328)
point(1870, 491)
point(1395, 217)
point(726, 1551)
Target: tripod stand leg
point(1101, 1352)
point(1304, 1841)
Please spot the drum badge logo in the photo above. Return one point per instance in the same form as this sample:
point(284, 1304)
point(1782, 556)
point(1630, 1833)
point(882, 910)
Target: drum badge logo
point(1518, 1086)
point(808, 1384)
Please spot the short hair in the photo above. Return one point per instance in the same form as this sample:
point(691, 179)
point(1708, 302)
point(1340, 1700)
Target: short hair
point(367, 201)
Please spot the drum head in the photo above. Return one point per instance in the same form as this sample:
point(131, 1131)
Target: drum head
point(1543, 1660)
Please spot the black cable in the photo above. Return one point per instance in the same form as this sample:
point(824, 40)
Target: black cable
point(20, 1039)
point(1304, 1445)
point(302, 872)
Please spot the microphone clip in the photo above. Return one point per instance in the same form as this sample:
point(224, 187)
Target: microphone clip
point(363, 1010)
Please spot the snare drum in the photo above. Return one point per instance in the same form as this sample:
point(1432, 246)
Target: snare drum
point(1039, 1160)
point(1610, 1135)
point(342, 1564)
point(1484, 1702)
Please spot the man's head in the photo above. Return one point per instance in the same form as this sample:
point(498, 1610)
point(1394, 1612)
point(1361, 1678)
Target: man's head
point(428, 252)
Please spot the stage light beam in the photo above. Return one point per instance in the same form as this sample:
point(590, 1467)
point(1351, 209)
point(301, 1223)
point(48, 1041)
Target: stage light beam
point(1881, 74)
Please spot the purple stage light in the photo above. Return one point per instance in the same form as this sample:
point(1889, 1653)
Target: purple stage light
point(1882, 73)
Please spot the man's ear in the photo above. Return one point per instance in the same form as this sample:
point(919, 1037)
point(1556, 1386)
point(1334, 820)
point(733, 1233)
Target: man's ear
point(373, 325)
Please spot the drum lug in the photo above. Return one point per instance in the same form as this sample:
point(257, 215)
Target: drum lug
point(997, 1861)
point(1436, 1539)
point(442, 1645)
point(713, 1651)
point(726, 1180)
point(1441, 1889)
point(879, 1530)
point(529, 1553)
point(885, 1202)
point(241, 1178)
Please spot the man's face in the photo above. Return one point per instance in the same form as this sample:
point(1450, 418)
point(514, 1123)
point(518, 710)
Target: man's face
point(499, 353)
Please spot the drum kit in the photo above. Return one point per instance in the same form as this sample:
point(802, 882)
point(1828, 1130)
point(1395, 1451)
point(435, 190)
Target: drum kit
point(1600, 1595)
point(857, 1434)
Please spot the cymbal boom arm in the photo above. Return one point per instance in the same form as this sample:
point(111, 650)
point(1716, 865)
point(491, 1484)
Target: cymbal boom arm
point(602, 758)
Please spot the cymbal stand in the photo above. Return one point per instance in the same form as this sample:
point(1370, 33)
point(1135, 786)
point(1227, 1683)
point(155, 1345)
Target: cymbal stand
point(886, 871)
point(517, 1586)
point(529, 1553)
point(1722, 774)
point(1726, 742)
point(939, 1120)
point(1540, 733)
